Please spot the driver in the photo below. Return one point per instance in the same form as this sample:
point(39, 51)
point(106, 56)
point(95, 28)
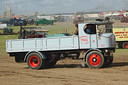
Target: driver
point(90, 29)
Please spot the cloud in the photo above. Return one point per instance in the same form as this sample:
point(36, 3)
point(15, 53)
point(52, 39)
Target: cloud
point(61, 6)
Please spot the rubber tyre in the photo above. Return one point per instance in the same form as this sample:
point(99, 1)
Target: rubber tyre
point(125, 45)
point(94, 59)
point(35, 61)
point(108, 62)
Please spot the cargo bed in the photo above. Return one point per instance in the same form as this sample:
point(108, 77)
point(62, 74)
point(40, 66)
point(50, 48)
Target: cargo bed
point(42, 44)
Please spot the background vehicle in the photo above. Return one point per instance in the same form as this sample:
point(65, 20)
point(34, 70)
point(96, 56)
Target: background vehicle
point(37, 32)
point(6, 29)
point(97, 48)
point(78, 20)
point(124, 19)
point(121, 35)
point(17, 22)
point(44, 22)
point(31, 32)
point(5, 20)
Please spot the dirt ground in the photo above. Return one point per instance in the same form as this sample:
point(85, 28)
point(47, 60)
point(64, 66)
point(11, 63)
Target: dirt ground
point(65, 72)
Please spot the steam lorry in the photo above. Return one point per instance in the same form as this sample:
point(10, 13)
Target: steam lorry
point(97, 48)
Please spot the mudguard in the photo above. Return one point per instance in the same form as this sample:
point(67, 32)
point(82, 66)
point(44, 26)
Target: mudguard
point(42, 55)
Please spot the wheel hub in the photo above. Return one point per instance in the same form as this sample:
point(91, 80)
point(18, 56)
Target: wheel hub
point(35, 61)
point(94, 59)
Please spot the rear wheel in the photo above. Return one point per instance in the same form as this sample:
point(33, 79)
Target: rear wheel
point(94, 59)
point(35, 61)
point(125, 45)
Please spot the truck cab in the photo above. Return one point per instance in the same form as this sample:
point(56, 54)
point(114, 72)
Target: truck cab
point(101, 36)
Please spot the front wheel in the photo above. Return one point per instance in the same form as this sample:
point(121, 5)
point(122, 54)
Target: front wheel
point(95, 59)
point(35, 61)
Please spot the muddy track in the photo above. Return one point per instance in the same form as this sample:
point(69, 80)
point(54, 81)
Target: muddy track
point(65, 72)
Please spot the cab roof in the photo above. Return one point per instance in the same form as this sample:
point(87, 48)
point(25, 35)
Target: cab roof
point(97, 23)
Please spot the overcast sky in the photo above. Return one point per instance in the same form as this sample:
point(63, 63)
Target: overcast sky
point(28, 7)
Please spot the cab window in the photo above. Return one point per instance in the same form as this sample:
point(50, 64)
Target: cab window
point(107, 28)
point(90, 29)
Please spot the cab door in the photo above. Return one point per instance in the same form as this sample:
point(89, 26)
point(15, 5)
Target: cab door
point(88, 40)
point(93, 41)
point(84, 39)
point(93, 36)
